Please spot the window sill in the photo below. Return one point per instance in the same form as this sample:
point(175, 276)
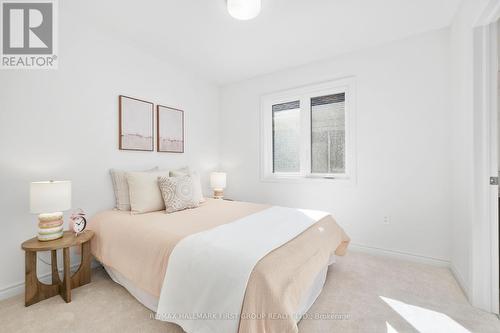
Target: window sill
point(307, 179)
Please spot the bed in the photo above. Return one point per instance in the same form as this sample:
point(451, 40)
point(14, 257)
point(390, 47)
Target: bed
point(135, 251)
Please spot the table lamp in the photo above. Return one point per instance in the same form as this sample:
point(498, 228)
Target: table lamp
point(49, 199)
point(218, 184)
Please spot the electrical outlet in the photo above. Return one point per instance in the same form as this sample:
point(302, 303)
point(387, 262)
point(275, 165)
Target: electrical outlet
point(386, 220)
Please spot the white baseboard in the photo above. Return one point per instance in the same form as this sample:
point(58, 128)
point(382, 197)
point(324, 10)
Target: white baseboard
point(416, 258)
point(399, 255)
point(461, 282)
point(18, 288)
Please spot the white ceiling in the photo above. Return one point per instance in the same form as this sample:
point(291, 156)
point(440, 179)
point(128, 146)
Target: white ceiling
point(200, 34)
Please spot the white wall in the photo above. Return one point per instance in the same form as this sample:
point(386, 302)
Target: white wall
point(403, 142)
point(63, 124)
point(462, 147)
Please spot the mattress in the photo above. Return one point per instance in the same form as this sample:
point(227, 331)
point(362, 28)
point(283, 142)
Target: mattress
point(151, 301)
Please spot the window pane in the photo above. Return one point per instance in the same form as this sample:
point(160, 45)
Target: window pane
point(328, 134)
point(286, 136)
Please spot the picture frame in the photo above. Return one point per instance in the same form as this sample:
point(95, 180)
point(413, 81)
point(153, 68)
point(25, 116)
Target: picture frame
point(136, 124)
point(170, 129)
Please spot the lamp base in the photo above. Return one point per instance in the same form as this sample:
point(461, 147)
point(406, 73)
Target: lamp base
point(218, 194)
point(50, 226)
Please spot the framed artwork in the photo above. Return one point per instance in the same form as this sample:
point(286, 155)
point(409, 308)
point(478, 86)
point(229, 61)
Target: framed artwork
point(136, 124)
point(170, 123)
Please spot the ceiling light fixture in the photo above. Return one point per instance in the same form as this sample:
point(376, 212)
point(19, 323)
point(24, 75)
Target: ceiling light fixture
point(243, 9)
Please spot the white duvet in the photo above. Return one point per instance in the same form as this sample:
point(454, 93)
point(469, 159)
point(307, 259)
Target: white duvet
point(208, 272)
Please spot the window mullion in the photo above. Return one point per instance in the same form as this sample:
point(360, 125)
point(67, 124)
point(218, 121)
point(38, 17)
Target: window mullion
point(269, 139)
point(305, 130)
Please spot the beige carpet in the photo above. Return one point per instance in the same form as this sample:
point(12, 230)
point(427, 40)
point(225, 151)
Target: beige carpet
point(377, 294)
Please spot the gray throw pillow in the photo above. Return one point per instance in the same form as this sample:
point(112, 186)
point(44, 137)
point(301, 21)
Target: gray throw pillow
point(178, 193)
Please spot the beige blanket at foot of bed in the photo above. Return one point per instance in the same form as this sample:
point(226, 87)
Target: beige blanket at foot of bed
point(138, 246)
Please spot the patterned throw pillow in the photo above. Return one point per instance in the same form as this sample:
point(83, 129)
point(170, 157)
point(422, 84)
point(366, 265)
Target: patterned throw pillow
point(178, 193)
point(185, 171)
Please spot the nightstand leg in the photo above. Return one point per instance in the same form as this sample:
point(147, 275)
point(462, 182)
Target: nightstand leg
point(82, 275)
point(31, 285)
point(86, 258)
point(55, 273)
point(66, 286)
point(35, 291)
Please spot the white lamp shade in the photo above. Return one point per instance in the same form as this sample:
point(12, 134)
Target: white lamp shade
point(218, 180)
point(50, 196)
point(243, 9)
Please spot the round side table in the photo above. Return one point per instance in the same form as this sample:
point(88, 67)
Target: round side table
point(37, 291)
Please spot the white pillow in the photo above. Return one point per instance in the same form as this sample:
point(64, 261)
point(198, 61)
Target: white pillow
point(180, 172)
point(197, 192)
point(120, 187)
point(145, 195)
point(178, 193)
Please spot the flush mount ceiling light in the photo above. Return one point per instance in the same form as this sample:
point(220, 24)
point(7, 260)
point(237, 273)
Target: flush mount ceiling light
point(243, 9)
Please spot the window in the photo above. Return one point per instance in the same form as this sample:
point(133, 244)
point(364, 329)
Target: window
point(328, 134)
point(286, 137)
point(308, 132)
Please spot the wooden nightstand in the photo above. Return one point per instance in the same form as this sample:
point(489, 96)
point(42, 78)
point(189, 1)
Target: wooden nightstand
point(37, 291)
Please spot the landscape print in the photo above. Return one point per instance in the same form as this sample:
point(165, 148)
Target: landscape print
point(136, 124)
point(170, 124)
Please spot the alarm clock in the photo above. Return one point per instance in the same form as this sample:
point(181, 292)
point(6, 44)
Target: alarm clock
point(78, 222)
